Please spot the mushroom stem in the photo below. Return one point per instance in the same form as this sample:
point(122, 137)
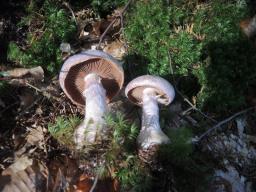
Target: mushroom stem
point(95, 109)
point(151, 133)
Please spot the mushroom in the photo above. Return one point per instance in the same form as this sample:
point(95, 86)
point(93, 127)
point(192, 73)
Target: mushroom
point(91, 79)
point(248, 26)
point(147, 91)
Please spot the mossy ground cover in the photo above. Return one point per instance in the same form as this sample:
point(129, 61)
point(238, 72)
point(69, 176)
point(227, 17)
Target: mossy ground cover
point(197, 44)
point(203, 40)
point(48, 26)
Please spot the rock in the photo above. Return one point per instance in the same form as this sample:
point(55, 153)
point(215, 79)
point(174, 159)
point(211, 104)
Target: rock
point(228, 181)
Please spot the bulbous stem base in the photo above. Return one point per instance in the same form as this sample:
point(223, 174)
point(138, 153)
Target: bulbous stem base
point(151, 133)
point(91, 129)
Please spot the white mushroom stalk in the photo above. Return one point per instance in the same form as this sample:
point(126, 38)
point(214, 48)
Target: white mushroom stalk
point(90, 79)
point(148, 91)
point(151, 133)
point(96, 107)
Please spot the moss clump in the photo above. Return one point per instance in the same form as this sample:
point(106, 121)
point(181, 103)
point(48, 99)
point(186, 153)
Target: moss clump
point(63, 130)
point(189, 168)
point(105, 7)
point(180, 148)
point(203, 39)
point(48, 26)
point(226, 67)
point(121, 155)
point(147, 33)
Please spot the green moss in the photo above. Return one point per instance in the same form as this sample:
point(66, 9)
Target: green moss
point(105, 7)
point(121, 153)
point(185, 52)
point(180, 149)
point(55, 27)
point(190, 169)
point(147, 34)
point(204, 40)
point(63, 129)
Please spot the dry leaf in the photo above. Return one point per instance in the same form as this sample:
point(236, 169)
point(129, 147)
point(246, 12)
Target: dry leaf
point(100, 26)
point(27, 98)
point(21, 76)
point(27, 178)
point(37, 73)
point(36, 137)
point(21, 164)
point(62, 173)
point(85, 184)
point(115, 48)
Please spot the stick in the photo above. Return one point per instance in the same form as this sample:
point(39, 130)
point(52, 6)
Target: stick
point(185, 99)
point(215, 127)
point(112, 23)
point(95, 183)
point(43, 92)
point(32, 86)
point(73, 15)
point(193, 107)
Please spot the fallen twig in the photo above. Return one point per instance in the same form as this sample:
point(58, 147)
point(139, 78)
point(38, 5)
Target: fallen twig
point(95, 183)
point(32, 86)
point(194, 108)
point(185, 99)
point(120, 16)
point(43, 92)
point(72, 12)
point(218, 125)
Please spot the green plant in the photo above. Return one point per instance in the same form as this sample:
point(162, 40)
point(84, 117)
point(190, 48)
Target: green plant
point(147, 33)
point(63, 129)
point(180, 147)
point(226, 72)
point(120, 153)
point(203, 40)
point(49, 26)
point(188, 167)
point(105, 7)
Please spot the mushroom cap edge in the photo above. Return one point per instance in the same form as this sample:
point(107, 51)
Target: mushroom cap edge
point(162, 87)
point(82, 57)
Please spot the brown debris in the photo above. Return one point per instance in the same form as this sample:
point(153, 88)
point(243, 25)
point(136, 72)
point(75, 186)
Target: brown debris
point(85, 184)
point(115, 48)
point(248, 26)
point(25, 175)
point(22, 76)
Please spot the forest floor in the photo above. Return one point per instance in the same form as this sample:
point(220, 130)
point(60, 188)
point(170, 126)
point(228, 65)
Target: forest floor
point(218, 155)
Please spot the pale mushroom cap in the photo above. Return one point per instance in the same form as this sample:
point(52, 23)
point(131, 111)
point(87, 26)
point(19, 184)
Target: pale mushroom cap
point(134, 90)
point(76, 67)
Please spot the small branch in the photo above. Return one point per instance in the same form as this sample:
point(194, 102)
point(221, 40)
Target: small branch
point(112, 23)
point(218, 125)
point(72, 12)
point(95, 183)
point(42, 91)
point(105, 32)
point(185, 99)
point(193, 107)
point(32, 86)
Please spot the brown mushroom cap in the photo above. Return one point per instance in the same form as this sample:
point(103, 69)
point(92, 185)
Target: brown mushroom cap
point(76, 67)
point(134, 90)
